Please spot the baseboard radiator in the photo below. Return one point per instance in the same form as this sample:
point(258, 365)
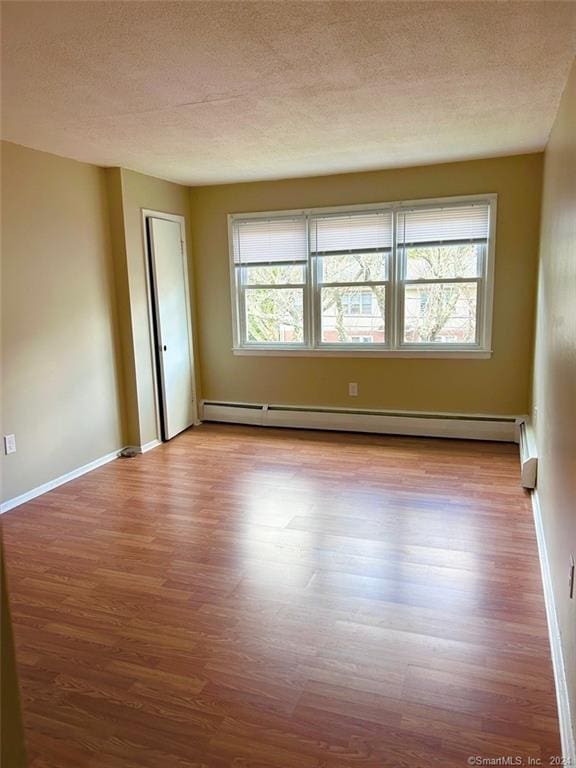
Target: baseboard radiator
point(461, 426)
point(528, 454)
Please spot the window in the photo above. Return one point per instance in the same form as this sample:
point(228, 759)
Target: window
point(442, 257)
point(271, 260)
point(399, 279)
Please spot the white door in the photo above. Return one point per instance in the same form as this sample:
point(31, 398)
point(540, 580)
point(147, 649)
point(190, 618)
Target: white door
point(173, 330)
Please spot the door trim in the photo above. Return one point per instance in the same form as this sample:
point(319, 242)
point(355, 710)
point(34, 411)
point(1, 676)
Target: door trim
point(147, 213)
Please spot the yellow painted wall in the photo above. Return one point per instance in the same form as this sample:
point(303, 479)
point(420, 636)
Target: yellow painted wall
point(77, 365)
point(61, 380)
point(131, 426)
point(554, 405)
point(499, 385)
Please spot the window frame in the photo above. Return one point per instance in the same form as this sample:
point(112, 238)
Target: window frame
point(394, 346)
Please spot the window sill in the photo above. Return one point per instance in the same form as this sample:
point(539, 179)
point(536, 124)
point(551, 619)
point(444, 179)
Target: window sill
point(456, 354)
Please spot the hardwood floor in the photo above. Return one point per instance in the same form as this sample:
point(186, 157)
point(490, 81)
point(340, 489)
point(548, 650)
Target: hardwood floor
point(247, 597)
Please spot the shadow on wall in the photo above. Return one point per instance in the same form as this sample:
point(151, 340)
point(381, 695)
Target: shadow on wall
point(13, 752)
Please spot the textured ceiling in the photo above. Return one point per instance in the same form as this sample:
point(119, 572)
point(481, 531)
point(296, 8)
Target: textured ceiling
point(209, 92)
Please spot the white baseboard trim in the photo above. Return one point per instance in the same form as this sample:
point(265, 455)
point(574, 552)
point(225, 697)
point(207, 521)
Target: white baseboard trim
point(145, 447)
point(462, 426)
point(51, 484)
point(567, 737)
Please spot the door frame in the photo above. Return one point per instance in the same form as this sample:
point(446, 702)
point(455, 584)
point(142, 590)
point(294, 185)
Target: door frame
point(151, 300)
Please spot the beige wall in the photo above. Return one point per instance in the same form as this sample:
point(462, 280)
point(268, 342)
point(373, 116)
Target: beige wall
point(125, 339)
point(132, 192)
point(500, 385)
point(60, 374)
point(77, 365)
point(554, 406)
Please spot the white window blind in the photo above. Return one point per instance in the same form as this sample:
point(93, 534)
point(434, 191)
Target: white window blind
point(445, 225)
point(351, 233)
point(270, 240)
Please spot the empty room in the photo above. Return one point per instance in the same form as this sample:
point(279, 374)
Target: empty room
point(288, 343)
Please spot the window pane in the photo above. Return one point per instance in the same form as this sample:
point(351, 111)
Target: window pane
point(286, 273)
point(440, 314)
point(441, 261)
point(275, 315)
point(353, 268)
point(353, 316)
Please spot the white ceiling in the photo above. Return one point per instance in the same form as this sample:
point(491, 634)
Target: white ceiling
point(210, 92)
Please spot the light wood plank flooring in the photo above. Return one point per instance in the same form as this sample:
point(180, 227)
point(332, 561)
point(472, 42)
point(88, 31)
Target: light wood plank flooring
point(247, 597)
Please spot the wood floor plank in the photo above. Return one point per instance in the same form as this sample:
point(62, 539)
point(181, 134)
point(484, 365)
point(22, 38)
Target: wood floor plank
point(274, 598)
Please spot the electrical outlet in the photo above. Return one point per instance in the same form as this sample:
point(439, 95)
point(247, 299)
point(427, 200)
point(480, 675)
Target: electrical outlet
point(571, 578)
point(353, 389)
point(9, 444)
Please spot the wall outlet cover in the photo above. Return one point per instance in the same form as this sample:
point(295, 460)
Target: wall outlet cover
point(9, 444)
